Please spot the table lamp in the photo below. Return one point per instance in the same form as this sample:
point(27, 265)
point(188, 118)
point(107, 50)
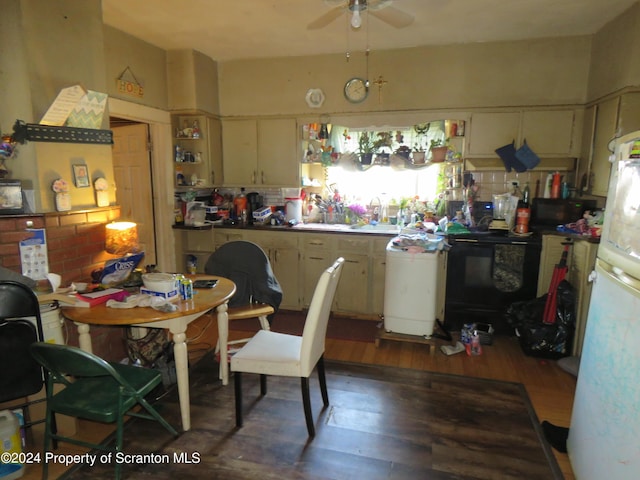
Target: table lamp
point(121, 238)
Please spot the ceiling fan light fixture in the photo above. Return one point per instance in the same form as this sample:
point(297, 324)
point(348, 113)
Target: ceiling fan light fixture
point(356, 19)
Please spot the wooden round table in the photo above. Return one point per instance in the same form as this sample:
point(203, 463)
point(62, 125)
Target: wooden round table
point(188, 310)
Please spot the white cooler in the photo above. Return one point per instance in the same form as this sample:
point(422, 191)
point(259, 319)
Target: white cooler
point(411, 290)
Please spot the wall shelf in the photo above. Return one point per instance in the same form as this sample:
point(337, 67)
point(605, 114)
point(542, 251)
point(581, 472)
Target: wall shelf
point(45, 133)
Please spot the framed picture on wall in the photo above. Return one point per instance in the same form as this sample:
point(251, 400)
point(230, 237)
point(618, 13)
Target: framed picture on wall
point(81, 176)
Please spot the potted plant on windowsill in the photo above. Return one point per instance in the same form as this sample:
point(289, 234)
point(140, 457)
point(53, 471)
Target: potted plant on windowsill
point(382, 147)
point(365, 148)
point(419, 149)
point(403, 151)
point(438, 149)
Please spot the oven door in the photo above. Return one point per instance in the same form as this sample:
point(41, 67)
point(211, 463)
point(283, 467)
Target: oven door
point(485, 276)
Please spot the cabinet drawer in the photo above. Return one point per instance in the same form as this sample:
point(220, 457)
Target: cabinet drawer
point(348, 243)
point(276, 240)
point(311, 242)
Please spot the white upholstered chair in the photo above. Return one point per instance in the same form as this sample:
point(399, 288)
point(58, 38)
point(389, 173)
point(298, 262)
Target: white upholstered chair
point(273, 353)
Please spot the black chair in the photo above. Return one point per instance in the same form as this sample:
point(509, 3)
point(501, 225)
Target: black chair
point(258, 293)
point(20, 375)
point(100, 391)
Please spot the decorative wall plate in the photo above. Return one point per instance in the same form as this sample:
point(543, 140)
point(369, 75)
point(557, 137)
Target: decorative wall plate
point(315, 97)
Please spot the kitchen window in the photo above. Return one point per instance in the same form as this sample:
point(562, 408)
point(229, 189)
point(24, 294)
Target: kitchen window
point(339, 148)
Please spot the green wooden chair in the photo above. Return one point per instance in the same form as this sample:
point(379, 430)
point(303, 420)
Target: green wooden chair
point(100, 391)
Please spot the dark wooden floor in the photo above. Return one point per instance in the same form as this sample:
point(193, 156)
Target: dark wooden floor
point(383, 422)
point(550, 389)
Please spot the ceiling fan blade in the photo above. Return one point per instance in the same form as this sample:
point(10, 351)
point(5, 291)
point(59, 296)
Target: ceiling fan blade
point(393, 16)
point(324, 20)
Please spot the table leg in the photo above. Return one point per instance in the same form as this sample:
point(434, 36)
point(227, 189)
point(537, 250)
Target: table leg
point(223, 338)
point(84, 338)
point(182, 375)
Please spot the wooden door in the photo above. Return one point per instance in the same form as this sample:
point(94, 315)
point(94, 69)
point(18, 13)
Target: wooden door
point(134, 194)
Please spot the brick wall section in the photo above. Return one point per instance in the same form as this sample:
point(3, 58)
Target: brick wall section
point(75, 247)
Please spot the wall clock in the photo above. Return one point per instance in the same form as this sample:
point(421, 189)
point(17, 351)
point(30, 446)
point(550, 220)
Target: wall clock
point(356, 90)
point(315, 97)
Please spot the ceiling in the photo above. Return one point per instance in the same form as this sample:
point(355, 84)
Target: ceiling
point(237, 29)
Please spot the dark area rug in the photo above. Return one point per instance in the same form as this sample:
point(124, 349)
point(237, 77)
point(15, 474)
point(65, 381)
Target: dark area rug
point(339, 327)
point(382, 423)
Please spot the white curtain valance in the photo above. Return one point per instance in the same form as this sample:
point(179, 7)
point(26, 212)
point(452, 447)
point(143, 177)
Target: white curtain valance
point(394, 120)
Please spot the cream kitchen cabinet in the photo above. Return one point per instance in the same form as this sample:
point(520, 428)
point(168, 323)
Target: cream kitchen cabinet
point(317, 253)
point(197, 153)
point(580, 261)
point(378, 269)
point(550, 133)
point(299, 258)
point(224, 235)
point(260, 152)
point(361, 288)
point(354, 296)
point(490, 130)
point(604, 122)
point(283, 252)
point(586, 151)
point(199, 243)
point(629, 113)
point(604, 132)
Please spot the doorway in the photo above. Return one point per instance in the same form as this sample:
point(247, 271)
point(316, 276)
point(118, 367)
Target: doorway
point(132, 174)
point(159, 156)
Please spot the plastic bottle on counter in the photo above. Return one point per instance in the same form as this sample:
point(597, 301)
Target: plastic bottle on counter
point(556, 180)
point(240, 203)
point(547, 186)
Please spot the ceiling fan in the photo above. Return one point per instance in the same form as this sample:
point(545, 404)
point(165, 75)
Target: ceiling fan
point(380, 9)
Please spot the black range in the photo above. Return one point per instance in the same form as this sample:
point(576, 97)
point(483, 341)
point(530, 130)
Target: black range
point(486, 272)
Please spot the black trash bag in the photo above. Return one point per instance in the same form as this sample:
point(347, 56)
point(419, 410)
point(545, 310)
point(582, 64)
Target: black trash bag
point(538, 339)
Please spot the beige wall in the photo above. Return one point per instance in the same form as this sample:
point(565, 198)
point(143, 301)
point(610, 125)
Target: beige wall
point(49, 46)
point(64, 46)
point(193, 82)
point(145, 61)
point(615, 53)
point(536, 72)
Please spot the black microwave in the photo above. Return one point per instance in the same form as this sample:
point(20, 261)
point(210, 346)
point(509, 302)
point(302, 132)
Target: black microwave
point(551, 212)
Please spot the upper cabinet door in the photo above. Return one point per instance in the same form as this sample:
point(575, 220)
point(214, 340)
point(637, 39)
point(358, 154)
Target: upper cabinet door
point(277, 153)
point(549, 132)
point(239, 152)
point(260, 152)
point(629, 118)
point(584, 161)
point(215, 151)
point(605, 132)
point(491, 130)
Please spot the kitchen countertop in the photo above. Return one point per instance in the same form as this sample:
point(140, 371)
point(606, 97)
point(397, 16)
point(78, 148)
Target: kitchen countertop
point(379, 229)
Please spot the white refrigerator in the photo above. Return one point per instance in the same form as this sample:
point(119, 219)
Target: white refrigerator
point(604, 435)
